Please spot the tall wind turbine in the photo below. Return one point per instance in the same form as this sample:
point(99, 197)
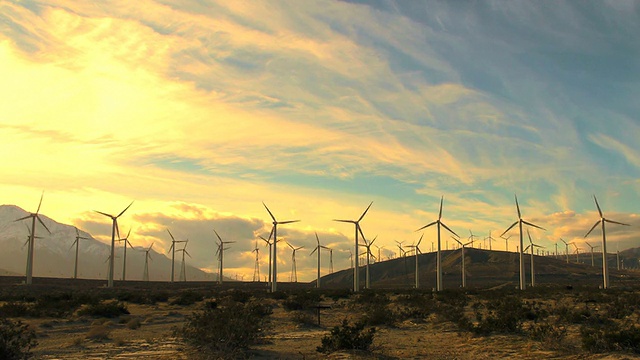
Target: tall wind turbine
point(274, 283)
point(593, 263)
point(269, 243)
point(173, 249)
point(318, 249)
point(294, 269)
point(471, 237)
point(356, 269)
point(531, 246)
point(147, 256)
point(124, 259)
point(566, 249)
point(114, 231)
point(77, 244)
point(519, 222)
point(330, 260)
point(256, 269)
point(183, 266)
point(464, 273)
point(416, 247)
point(438, 223)
point(490, 240)
point(367, 245)
point(220, 253)
point(33, 217)
point(603, 220)
point(506, 243)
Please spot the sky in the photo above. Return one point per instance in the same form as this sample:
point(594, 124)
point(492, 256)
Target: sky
point(199, 111)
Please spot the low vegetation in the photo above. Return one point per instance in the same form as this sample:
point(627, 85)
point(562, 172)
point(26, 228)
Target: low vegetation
point(16, 340)
point(348, 337)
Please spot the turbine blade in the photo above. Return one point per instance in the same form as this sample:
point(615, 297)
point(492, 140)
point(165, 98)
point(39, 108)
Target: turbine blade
point(561, 239)
point(446, 227)
point(598, 206)
point(41, 222)
point(77, 232)
point(535, 226)
point(317, 239)
point(593, 227)
point(125, 209)
point(288, 222)
point(509, 228)
point(26, 217)
point(70, 247)
point(517, 206)
point(420, 240)
point(269, 211)
point(426, 226)
point(105, 214)
point(529, 235)
point(40, 203)
point(615, 222)
point(440, 213)
point(346, 221)
point(219, 238)
point(314, 250)
point(170, 234)
point(365, 212)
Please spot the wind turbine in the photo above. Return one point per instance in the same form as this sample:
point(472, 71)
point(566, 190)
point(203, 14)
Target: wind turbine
point(566, 249)
point(603, 220)
point(532, 245)
point(416, 247)
point(294, 270)
point(124, 260)
point(506, 243)
point(33, 217)
point(330, 260)
point(464, 273)
point(318, 248)
point(577, 252)
point(147, 256)
point(400, 249)
point(490, 240)
point(220, 253)
point(256, 269)
point(269, 243)
point(379, 248)
point(438, 255)
point(367, 245)
point(471, 237)
point(173, 249)
point(519, 222)
point(593, 263)
point(114, 230)
point(274, 283)
point(183, 266)
point(77, 244)
point(356, 269)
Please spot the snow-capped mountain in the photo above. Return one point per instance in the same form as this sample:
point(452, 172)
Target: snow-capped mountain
point(54, 254)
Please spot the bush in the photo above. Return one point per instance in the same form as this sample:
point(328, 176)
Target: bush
point(14, 309)
point(552, 335)
point(503, 315)
point(227, 329)
point(301, 301)
point(347, 337)
point(609, 336)
point(106, 309)
point(99, 332)
point(16, 340)
point(187, 298)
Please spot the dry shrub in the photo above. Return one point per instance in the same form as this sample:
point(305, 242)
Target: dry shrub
point(99, 332)
point(134, 323)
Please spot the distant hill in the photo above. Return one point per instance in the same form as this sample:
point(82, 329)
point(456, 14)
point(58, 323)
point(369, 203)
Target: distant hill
point(486, 268)
point(53, 256)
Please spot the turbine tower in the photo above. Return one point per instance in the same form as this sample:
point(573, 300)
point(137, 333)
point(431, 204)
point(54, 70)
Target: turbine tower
point(256, 269)
point(506, 243)
point(269, 243)
point(566, 249)
point(147, 256)
point(274, 282)
point(124, 259)
point(220, 253)
point(114, 231)
point(77, 244)
point(330, 260)
point(464, 274)
point(367, 245)
point(603, 220)
point(438, 223)
point(183, 266)
point(519, 222)
point(532, 245)
point(33, 217)
point(173, 249)
point(490, 240)
point(593, 263)
point(356, 268)
point(416, 247)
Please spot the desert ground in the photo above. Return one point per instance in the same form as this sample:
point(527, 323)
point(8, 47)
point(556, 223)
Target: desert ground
point(410, 324)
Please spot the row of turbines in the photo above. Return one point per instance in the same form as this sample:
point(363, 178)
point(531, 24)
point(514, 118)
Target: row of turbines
point(273, 240)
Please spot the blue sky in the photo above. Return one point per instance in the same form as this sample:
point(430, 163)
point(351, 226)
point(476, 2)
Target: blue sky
point(200, 110)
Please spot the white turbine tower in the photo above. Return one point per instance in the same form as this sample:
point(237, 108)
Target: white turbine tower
point(183, 265)
point(532, 245)
point(438, 223)
point(274, 282)
point(114, 231)
point(173, 249)
point(506, 243)
point(519, 222)
point(220, 253)
point(566, 249)
point(490, 240)
point(603, 220)
point(367, 246)
point(416, 248)
point(294, 270)
point(269, 243)
point(124, 259)
point(356, 268)
point(77, 244)
point(147, 256)
point(33, 217)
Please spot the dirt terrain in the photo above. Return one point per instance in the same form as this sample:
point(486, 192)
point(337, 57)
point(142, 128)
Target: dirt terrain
point(147, 333)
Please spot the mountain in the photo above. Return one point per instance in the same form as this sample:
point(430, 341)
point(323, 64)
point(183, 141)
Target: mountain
point(55, 257)
point(486, 268)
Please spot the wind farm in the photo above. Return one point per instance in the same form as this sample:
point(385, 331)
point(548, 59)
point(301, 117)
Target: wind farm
point(280, 126)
